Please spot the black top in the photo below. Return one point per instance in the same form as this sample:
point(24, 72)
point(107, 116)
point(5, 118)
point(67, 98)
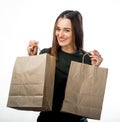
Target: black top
point(61, 74)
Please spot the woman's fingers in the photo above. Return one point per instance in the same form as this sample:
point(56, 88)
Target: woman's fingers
point(96, 58)
point(32, 47)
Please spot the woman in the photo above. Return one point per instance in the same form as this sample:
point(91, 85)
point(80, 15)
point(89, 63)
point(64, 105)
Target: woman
point(67, 45)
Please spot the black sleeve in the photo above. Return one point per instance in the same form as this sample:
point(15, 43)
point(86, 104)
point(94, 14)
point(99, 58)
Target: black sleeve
point(45, 50)
point(85, 57)
point(87, 60)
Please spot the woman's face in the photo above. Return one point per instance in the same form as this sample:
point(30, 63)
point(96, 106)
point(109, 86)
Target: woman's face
point(63, 33)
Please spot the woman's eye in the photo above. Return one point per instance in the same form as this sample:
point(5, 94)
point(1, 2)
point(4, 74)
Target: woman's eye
point(67, 30)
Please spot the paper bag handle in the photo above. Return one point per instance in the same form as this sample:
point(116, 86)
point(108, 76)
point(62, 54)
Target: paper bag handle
point(86, 53)
point(39, 48)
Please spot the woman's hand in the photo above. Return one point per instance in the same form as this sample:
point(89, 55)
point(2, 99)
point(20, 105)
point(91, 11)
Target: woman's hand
point(32, 47)
point(96, 58)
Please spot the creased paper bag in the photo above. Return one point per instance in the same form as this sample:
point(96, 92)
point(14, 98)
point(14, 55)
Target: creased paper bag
point(32, 83)
point(85, 90)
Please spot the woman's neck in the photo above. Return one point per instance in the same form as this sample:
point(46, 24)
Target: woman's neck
point(68, 50)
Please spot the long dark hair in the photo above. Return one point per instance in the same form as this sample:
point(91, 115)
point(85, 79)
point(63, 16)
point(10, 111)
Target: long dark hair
point(77, 28)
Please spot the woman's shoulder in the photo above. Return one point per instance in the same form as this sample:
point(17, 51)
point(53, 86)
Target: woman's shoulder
point(45, 50)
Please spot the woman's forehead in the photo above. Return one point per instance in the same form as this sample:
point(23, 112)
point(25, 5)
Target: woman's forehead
point(63, 22)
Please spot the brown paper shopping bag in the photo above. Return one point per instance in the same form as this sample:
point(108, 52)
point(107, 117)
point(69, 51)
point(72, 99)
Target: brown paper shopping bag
point(32, 83)
point(85, 90)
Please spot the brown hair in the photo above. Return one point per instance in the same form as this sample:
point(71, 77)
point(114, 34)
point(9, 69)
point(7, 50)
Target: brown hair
point(77, 27)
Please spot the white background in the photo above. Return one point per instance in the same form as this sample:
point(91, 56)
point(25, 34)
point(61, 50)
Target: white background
point(22, 20)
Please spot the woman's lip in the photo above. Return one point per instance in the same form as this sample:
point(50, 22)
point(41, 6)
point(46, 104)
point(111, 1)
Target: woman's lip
point(61, 40)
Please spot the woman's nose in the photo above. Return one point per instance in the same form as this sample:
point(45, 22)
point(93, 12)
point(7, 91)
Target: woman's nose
point(61, 33)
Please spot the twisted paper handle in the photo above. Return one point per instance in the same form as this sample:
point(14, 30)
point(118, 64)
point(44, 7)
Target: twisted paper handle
point(87, 53)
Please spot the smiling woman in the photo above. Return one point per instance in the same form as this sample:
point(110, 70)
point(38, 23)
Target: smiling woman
point(64, 35)
point(23, 20)
point(67, 46)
